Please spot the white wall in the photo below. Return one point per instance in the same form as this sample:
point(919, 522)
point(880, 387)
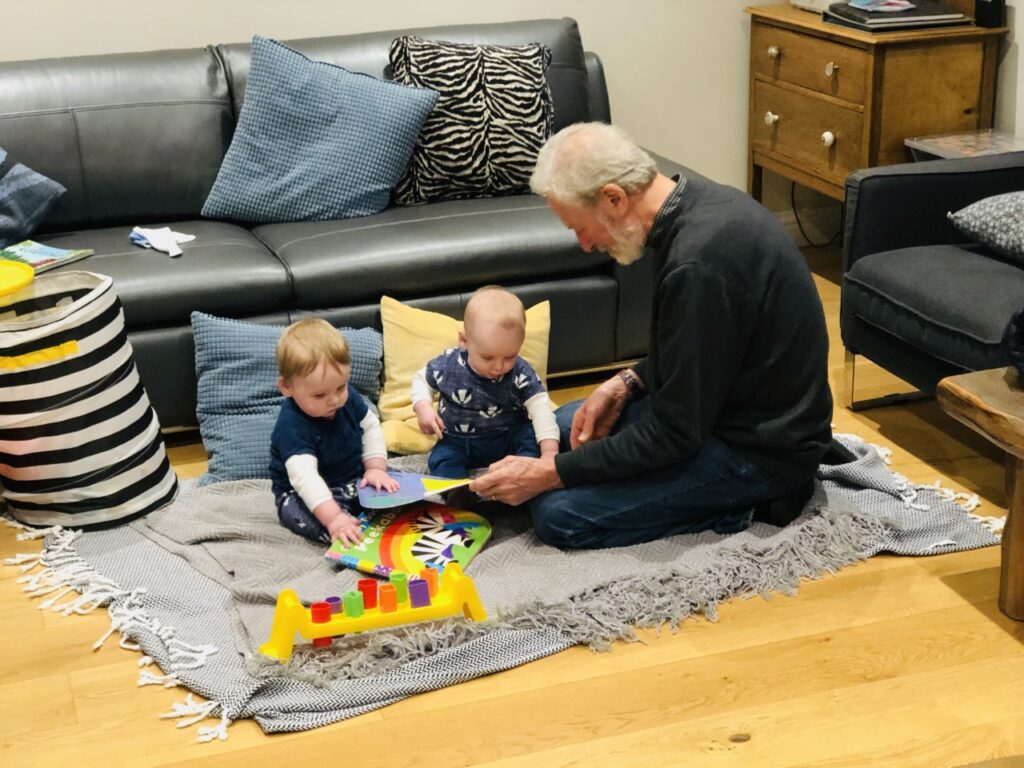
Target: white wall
point(676, 69)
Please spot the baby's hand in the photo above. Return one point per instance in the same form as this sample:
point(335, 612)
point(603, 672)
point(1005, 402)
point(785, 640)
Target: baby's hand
point(428, 419)
point(346, 529)
point(380, 480)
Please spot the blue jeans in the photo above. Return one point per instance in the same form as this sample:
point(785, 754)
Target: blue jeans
point(717, 489)
point(455, 455)
point(297, 518)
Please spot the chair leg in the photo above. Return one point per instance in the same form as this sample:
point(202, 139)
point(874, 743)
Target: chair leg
point(849, 389)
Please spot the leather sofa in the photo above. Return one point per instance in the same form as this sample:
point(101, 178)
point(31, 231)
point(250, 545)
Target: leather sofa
point(137, 139)
point(918, 298)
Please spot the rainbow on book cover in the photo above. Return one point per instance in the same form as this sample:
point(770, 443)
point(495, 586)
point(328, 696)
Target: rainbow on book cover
point(411, 538)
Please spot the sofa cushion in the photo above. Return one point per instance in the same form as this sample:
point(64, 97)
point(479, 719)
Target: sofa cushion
point(997, 222)
point(315, 141)
point(492, 116)
point(411, 338)
point(25, 197)
point(158, 290)
point(426, 250)
point(238, 399)
point(949, 301)
point(368, 53)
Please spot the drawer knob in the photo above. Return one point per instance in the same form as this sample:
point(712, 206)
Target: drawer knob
point(770, 118)
point(828, 138)
point(774, 52)
point(831, 68)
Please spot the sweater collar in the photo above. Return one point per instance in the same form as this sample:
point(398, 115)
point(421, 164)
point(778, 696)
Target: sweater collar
point(666, 215)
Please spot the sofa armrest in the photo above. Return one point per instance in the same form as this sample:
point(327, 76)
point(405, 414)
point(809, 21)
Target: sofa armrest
point(600, 109)
point(898, 206)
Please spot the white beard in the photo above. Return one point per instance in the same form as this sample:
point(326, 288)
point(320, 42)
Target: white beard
point(628, 245)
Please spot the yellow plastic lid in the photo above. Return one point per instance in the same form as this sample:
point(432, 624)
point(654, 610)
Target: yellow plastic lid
point(14, 275)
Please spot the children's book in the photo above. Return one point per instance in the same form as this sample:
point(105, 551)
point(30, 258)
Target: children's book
point(42, 257)
point(412, 487)
point(420, 536)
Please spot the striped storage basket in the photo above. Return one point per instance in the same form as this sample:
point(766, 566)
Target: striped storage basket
point(80, 445)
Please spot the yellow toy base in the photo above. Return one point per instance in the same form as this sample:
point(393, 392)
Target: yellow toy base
point(456, 594)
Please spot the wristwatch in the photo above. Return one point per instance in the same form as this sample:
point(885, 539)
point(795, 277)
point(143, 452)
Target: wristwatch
point(633, 384)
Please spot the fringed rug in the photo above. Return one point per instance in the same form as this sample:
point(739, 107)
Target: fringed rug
point(193, 587)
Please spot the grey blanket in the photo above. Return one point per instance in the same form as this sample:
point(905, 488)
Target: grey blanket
point(195, 584)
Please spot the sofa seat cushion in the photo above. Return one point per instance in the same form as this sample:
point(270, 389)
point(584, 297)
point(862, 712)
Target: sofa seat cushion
point(952, 302)
point(225, 271)
point(428, 249)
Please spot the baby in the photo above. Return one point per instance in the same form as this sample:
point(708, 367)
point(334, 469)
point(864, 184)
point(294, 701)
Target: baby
point(488, 395)
point(325, 437)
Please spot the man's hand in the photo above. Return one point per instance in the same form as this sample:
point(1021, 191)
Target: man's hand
point(379, 479)
point(428, 419)
point(517, 479)
point(599, 413)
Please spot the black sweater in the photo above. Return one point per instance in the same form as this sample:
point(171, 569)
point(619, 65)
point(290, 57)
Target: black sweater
point(738, 347)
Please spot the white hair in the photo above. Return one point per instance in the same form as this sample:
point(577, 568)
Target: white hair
point(578, 161)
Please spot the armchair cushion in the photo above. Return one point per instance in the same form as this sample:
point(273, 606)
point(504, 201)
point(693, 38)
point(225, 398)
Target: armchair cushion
point(951, 302)
point(997, 222)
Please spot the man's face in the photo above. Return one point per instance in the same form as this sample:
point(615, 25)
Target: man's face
point(622, 240)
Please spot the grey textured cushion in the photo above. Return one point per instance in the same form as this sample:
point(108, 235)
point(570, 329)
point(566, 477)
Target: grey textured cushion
point(315, 141)
point(238, 399)
point(996, 222)
point(25, 197)
point(493, 115)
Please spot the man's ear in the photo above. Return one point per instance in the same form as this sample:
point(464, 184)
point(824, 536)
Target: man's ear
point(283, 387)
point(613, 200)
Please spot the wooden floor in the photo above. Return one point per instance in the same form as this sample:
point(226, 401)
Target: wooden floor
point(894, 662)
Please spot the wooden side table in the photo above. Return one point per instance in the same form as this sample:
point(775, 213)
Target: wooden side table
point(826, 99)
point(992, 403)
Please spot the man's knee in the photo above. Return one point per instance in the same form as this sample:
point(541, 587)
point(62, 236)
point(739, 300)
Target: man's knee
point(556, 525)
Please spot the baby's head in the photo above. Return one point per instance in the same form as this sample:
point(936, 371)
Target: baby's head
point(494, 329)
point(313, 363)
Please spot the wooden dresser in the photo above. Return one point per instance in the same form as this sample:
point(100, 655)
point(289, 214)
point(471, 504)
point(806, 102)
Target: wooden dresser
point(826, 100)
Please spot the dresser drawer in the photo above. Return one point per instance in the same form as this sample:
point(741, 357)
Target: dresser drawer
point(802, 121)
point(779, 54)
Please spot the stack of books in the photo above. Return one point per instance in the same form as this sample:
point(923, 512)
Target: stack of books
point(917, 13)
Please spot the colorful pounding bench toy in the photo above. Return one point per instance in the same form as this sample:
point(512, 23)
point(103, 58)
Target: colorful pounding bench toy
point(374, 605)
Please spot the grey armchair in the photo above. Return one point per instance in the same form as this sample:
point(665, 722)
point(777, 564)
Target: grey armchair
point(917, 298)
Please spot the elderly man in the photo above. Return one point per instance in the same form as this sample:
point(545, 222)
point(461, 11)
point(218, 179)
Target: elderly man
point(731, 409)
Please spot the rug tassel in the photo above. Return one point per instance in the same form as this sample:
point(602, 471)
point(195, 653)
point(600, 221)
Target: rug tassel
point(185, 656)
point(194, 712)
point(994, 524)
point(148, 678)
point(219, 731)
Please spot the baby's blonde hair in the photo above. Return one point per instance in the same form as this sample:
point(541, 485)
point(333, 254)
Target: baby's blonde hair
point(305, 344)
point(499, 305)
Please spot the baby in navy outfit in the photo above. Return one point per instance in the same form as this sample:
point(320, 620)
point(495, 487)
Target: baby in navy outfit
point(491, 403)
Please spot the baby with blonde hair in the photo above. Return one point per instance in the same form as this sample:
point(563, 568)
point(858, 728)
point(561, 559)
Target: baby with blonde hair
point(491, 403)
point(325, 437)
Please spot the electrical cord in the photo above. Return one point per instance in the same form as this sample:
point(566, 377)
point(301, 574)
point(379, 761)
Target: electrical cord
point(800, 226)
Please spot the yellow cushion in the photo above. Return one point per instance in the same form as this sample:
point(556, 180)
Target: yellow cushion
point(414, 336)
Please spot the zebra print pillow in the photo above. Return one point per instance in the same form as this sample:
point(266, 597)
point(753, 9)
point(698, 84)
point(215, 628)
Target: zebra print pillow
point(493, 114)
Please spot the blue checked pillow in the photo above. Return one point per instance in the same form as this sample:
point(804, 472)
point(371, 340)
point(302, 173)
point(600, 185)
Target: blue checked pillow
point(315, 141)
point(996, 222)
point(238, 399)
point(25, 197)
